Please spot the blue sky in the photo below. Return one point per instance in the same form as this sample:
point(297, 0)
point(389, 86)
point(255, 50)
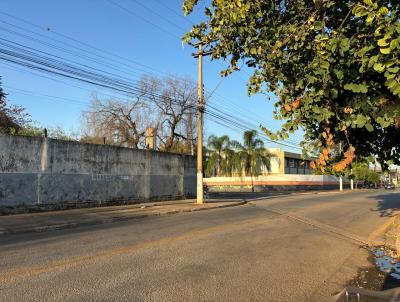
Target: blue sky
point(143, 35)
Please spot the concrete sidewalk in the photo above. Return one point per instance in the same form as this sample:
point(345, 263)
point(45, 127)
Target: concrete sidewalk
point(47, 221)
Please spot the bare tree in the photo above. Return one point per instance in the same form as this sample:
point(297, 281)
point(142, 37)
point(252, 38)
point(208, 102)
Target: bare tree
point(121, 123)
point(167, 104)
point(175, 99)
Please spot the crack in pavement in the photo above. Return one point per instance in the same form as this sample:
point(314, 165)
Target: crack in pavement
point(370, 241)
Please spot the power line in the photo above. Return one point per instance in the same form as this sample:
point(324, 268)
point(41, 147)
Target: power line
point(41, 95)
point(159, 15)
point(127, 10)
point(174, 12)
point(214, 117)
point(34, 73)
point(102, 51)
point(38, 60)
point(83, 50)
point(98, 50)
point(76, 54)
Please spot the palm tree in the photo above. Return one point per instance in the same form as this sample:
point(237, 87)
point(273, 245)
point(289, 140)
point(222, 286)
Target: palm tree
point(218, 149)
point(251, 154)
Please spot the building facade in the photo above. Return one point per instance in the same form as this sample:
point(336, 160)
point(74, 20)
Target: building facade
point(283, 162)
point(392, 174)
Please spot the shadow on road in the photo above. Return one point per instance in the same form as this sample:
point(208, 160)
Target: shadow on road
point(229, 196)
point(388, 204)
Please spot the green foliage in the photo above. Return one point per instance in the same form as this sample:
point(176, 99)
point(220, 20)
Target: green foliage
point(250, 155)
point(12, 118)
point(178, 146)
point(373, 177)
point(219, 159)
point(331, 64)
point(226, 157)
point(362, 173)
point(35, 130)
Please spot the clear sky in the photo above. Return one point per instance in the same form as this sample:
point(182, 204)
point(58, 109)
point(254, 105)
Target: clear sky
point(138, 36)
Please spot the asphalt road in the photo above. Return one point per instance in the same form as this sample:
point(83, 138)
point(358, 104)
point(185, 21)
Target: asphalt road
point(286, 248)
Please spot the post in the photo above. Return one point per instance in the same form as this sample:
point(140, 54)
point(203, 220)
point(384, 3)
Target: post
point(200, 107)
point(340, 178)
point(351, 180)
point(150, 138)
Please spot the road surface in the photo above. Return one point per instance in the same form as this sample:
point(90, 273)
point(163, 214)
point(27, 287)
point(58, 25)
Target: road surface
point(286, 248)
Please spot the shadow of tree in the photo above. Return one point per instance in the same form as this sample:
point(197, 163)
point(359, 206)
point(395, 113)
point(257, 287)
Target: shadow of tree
point(388, 204)
point(229, 196)
point(390, 282)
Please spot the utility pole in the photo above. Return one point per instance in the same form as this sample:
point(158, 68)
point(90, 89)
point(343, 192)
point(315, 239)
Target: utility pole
point(200, 109)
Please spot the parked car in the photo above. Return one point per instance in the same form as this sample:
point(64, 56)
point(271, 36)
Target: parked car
point(389, 185)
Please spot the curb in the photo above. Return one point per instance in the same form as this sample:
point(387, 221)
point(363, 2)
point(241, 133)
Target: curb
point(62, 226)
point(382, 229)
point(291, 194)
point(389, 232)
point(309, 193)
point(239, 202)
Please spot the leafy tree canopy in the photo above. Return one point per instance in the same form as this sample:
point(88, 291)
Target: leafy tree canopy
point(333, 65)
point(362, 172)
point(12, 118)
point(219, 161)
point(36, 130)
point(250, 154)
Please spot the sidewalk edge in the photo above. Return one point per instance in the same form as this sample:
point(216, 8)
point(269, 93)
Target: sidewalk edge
point(46, 228)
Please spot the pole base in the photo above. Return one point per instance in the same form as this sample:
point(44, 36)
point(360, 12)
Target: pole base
point(200, 193)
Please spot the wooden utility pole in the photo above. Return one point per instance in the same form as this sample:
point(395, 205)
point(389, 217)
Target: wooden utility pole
point(200, 110)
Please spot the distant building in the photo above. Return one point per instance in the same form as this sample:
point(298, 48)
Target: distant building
point(283, 162)
point(287, 172)
point(393, 173)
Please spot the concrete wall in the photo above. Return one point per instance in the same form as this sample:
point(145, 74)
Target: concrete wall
point(281, 182)
point(41, 171)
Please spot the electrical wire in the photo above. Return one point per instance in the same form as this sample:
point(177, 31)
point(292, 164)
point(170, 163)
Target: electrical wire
point(160, 16)
point(96, 58)
point(94, 50)
point(127, 10)
point(41, 61)
point(174, 12)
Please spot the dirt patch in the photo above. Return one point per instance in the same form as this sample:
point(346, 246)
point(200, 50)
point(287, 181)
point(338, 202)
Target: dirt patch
point(380, 274)
point(369, 277)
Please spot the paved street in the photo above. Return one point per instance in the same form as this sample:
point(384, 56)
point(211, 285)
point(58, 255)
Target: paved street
point(282, 248)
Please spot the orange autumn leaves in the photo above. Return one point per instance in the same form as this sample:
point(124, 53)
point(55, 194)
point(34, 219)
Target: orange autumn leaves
point(289, 107)
point(321, 162)
point(346, 161)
